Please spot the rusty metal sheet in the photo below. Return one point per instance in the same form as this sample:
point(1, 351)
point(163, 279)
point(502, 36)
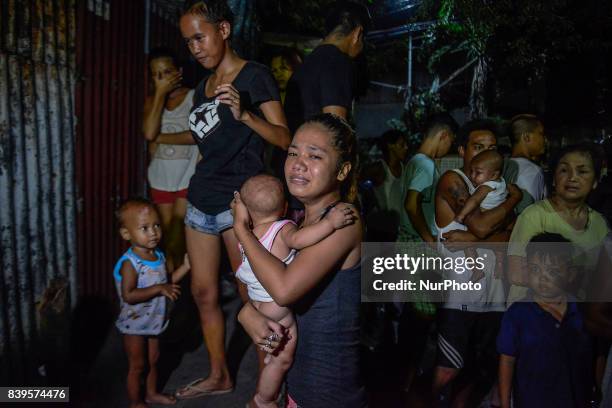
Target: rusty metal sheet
point(37, 218)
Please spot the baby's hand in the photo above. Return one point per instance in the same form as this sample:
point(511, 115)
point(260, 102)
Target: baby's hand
point(477, 274)
point(170, 290)
point(341, 215)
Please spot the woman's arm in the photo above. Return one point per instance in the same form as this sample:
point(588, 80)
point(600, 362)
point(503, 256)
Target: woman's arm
point(273, 129)
point(528, 225)
point(151, 121)
point(154, 106)
point(179, 138)
point(288, 283)
point(260, 328)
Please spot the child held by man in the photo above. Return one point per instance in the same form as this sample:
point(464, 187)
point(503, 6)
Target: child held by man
point(545, 353)
point(487, 190)
point(142, 284)
point(264, 198)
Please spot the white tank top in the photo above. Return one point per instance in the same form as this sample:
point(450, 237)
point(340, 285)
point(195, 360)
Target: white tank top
point(389, 193)
point(173, 165)
point(491, 298)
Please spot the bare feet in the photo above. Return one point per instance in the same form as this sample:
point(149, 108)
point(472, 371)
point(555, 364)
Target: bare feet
point(162, 399)
point(209, 386)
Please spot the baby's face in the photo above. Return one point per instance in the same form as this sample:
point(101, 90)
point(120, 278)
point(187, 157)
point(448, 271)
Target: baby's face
point(480, 173)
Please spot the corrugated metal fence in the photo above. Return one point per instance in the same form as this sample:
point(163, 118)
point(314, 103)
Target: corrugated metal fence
point(110, 149)
point(72, 87)
point(37, 197)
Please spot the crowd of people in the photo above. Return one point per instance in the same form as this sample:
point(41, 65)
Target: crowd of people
point(553, 367)
point(293, 238)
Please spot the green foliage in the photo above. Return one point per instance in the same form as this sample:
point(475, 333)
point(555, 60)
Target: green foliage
point(518, 37)
point(510, 40)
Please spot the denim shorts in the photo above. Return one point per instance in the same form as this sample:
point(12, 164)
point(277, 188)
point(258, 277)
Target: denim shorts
point(208, 224)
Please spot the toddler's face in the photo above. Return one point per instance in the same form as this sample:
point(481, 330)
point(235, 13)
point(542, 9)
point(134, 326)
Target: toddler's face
point(142, 227)
point(548, 275)
point(480, 173)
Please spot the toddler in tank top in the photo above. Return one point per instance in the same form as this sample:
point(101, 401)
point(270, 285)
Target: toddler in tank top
point(264, 197)
point(144, 288)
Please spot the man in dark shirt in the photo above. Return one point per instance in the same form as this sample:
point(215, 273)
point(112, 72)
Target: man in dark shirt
point(324, 82)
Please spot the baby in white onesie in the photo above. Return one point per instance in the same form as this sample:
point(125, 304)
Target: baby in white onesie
point(488, 188)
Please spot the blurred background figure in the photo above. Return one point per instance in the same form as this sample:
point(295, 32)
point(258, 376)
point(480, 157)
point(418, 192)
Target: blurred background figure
point(173, 153)
point(388, 178)
point(523, 169)
point(283, 64)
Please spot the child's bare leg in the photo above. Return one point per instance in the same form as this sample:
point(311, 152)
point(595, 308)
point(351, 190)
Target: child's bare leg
point(154, 397)
point(135, 350)
point(273, 373)
point(262, 359)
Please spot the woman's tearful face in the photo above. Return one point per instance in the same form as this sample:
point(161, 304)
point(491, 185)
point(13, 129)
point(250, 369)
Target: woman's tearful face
point(311, 168)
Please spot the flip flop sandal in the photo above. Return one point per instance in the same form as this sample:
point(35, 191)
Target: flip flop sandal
point(199, 392)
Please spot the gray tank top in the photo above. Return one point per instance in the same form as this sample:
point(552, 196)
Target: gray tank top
point(148, 318)
point(326, 368)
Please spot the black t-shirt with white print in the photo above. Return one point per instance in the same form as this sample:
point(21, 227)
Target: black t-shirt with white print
point(231, 151)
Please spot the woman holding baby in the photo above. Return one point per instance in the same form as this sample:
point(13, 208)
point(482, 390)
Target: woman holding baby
point(322, 284)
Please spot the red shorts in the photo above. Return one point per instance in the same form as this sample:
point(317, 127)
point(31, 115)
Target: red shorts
point(167, 197)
